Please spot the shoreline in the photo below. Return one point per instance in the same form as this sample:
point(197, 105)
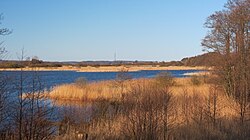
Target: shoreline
point(107, 68)
point(202, 73)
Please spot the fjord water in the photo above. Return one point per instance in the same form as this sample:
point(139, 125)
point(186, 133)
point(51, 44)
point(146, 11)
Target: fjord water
point(52, 78)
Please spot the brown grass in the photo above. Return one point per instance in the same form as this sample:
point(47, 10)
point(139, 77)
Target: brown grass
point(90, 92)
point(184, 93)
point(105, 90)
point(111, 91)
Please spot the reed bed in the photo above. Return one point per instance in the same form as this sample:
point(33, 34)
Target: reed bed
point(113, 90)
point(89, 92)
point(104, 90)
point(69, 94)
point(120, 108)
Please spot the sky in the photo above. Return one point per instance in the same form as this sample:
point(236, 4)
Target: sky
point(81, 30)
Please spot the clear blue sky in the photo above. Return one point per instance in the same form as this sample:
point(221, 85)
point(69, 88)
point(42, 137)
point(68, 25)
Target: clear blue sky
point(59, 30)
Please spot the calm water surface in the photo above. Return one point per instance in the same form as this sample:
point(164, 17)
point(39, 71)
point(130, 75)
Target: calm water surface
point(52, 78)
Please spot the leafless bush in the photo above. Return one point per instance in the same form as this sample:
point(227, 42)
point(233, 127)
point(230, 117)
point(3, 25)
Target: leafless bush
point(81, 82)
point(151, 113)
point(32, 116)
point(164, 79)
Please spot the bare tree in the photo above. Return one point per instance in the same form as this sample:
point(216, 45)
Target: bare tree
point(4, 91)
point(4, 107)
point(229, 35)
point(3, 32)
point(32, 115)
point(39, 116)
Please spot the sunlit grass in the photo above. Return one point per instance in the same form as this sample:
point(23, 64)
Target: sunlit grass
point(113, 91)
point(190, 102)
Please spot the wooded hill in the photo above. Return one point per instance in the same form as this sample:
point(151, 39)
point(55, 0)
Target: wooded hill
point(207, 59)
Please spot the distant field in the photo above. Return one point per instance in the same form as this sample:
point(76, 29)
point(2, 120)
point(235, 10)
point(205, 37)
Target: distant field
point(108, 68)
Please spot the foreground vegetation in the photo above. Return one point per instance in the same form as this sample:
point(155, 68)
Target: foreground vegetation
point(160, 108)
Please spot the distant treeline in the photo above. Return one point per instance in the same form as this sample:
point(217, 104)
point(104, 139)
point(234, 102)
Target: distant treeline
point(200, 60)
point(32, 63)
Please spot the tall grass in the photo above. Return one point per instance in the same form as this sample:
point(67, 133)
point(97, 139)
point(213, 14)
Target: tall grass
point(110, 91)
point(194, 111)
point(105, 90)
point(87, 93)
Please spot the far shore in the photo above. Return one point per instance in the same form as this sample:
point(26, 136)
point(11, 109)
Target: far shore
point(107, 68)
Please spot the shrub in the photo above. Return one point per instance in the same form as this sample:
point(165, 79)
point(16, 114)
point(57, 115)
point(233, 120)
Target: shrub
point(195, 80)
point(81, 82)
point(123, 76)
point(164, 79)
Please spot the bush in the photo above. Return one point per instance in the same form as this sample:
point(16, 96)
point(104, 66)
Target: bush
point(164, 79)
point(195, 80)
point(81, 82)
point(123, 76)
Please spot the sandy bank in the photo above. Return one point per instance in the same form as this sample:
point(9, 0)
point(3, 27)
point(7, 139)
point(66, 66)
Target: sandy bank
point(202, 73)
